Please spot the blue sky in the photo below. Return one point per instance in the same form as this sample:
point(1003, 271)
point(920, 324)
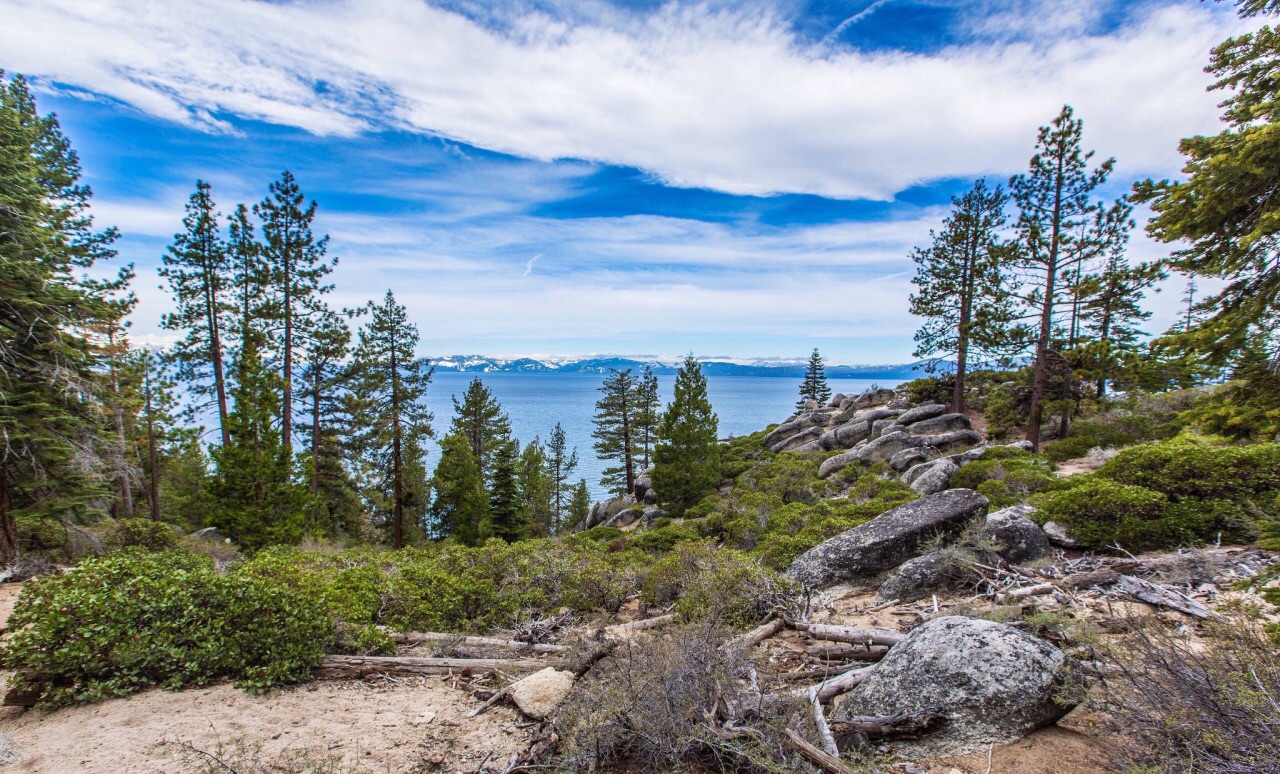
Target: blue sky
point(570, 178)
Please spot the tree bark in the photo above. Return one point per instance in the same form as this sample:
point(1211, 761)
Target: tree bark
point(818, 757)
point(315, 445)
point(851, 634)
point(412, 638)
point(8, 527)
point(1046, 314)
point(397, 516)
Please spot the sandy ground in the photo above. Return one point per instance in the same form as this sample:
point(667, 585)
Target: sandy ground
point(1073, 467)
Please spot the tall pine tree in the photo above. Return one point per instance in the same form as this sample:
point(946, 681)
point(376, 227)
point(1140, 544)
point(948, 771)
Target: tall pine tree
point(648, 414)
point(459, 506)
point(687, 460)
point(561, 463)
point(615, 430)
point(394, 423)
point(329, 424)
point(479, 418)
point(814, 387)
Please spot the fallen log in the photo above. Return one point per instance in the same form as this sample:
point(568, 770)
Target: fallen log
point(846, 652)
point(414, 638)
point(841, 683)
point(820, 721)
point(861, 729)
point(820, 758)
point(1087, 580)
point(851, 634)
point(1029, 591)
point(356, 667)
point(1160, 596)
point(760, 633)
point(622, 630)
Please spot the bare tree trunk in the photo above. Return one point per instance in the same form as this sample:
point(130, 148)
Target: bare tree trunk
point(1046, 317)
point(397, 518)
point(315, 446)
point(286, 413)
point(153, 461)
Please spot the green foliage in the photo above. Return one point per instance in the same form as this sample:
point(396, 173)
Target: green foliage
point(615, 431)
point(460, 507)
point(705, 582)
point(1099, 513)
point(579, 505)
point(659, 540)
point(1186, 468)
point(931, 389)
point(814, 387)
point(143, 533)
point(1021, 474)
point(131, 620)
point(687, 459)
point(479, 418)
point(40, 533)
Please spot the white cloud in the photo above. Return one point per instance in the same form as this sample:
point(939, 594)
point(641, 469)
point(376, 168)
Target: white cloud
point(696, 95)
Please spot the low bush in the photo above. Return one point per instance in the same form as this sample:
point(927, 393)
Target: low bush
point(37, 533)
point(132, 619)
point(1099, 513)
point(659, 540)
point(703, 582)
point(1189, 468)
point(1021, 473)
point(930, 389)
point(143, 533)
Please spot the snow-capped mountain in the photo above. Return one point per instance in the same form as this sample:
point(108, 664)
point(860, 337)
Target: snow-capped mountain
point(665, 366)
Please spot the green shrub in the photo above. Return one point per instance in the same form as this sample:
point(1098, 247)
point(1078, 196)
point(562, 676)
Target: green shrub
point(131, 620)
point(604, 535)
point(1099, 513)
point(705, 582)
point(1188, 468)
point(1021, 472)
point(931, 389)
point(661, 539)
point(36, 533)
point(143, 533)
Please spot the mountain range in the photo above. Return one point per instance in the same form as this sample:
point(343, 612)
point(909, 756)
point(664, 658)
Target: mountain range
point(599, 365)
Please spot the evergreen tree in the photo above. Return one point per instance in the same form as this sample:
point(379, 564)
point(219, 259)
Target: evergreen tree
point(295, 266)
point(561, 463)
point(1055, 208)
point(579, 506)
point(814, 387)
point(257, 500)
point(49, 414)
point(535, 486)
point(1111, 315)
point(506, 510)
point(459, 508)
point(1227, 218)
point(615, 430)
point(479, 418)
point(159, 427)
point(249, 277)
point(687, 460)
point(648, 413)
point(391, 382)
point(960, 290)
point(335, 498)
point(199, 273)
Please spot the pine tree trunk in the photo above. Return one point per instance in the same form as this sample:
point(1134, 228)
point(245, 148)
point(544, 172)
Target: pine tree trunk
point(1105, 337)
point(962, 332)
point(122, 464)
point(215, 354)
point(286, 414)
point(397, 514)
point(315, 447)
point(626, 446)
point(153, 463)
point(8, 527)
point(1046, 317)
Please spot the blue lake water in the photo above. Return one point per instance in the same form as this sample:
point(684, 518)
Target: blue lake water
point(536, 402)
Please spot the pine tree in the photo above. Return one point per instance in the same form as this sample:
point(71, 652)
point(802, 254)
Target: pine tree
point(579, 506)
point(49, 414)
point(199, 274)
point(121, 403)
point(535, 486)
point(815, 387)
point(459, 507)
point(335, 497)
point(615, 430)
point(561, 463)
point(158, 426)
point(258, 501)
point(960, 290)
point(296, 266)
point(1112, 313)
point(391, 382)
point(1226, 217)
point(648, 413)
point(1055, 208)
point(479, 418)
point(249, 277)
point(506, 510)
point(687, 460)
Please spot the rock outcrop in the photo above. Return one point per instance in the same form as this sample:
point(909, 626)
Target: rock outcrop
point(941, 424)
point(540, 693)
point(1020, 538)
point(934, 476)
point(888, 540)
point(995, 684)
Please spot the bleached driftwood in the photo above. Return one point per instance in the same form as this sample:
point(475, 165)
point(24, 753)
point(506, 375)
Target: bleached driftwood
point(1161, 596)
point(845, 652)
point(761, 633)
point(414, 638)
point(622, 630)
point(355, 667)
point(841, 683)
point(860, 729)
point(851, 634)
point(820, 758)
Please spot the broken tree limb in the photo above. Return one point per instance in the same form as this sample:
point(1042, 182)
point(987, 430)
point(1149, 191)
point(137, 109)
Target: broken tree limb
point(760, 633)
point(860, 729)
point(1160, 596)
point(845, 652)
point(820, 720)
point(622, 630)
point(492, 700)
point(594, 657)
point(1029, 591)
point(841, 683)
point(851, 634)
point(355, 667)
point(823, 760)
point(414, 638)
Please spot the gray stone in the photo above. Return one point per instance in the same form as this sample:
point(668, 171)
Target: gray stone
point(811, 405)
point(947, 441)
point(915, 579)
point(942, 424)
point(845, 436)
point(934, 478)
point(794, 425)
point(832, 465)
point(908, 457)
point(1021, 539)
point(651, 515)
point(540, 693)
point(883, 448)
point(927, 411)
point(9, 753)
point(642, 484)
point(877, 397)
point(879, 426)
point(1057, 535)
point(887, 540)
point(810, 446)
point(624, 518)
point(799, 439)
point(208, 533)
point(836, 400)
point(651, 496)
point(995, 683)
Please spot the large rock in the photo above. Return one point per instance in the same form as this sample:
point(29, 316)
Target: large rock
point(1020, 538)
point(879, 426)
point(799, 439)
point(915, 579)
point(883, 448)
point(877, 397)
point(934, 478)
point(845, 436)
point(941, 424)
point(652, 514)
point(908, 457)
point(540, 693)
point(887, 540)
point(832, 465)
point(1058, 535)
point(603, 513)
point(927, 411)
point(624, 518)
point(995, 684)
point(642, 484)
point(948, 441)
point(836, 400)
point(794, 425)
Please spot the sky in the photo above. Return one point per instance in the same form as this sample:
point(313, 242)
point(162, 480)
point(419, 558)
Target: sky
point(585, 177)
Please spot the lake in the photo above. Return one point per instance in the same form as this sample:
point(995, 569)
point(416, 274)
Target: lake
point(537, 401)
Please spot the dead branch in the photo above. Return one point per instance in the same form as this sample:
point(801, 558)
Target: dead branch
point(823, 760)
point(357, 667)
point(760, 633)
point(1160, 596)
point(861, 729)
point(622, 630)
point(841, 683)
point(850, 634)
point(845, 652)
point(414, 638)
